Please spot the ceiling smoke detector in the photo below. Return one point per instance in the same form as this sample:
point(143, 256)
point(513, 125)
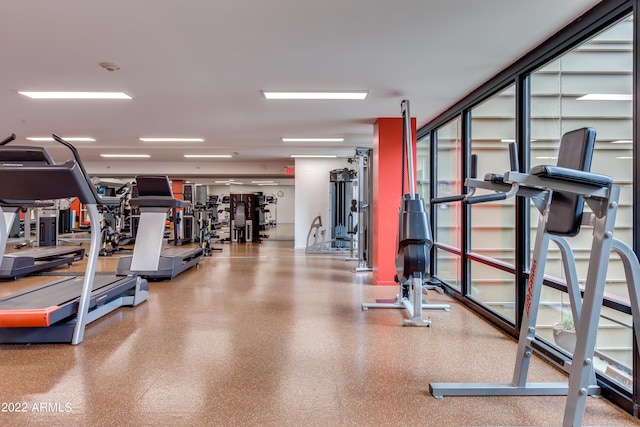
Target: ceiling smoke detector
point(110, 66)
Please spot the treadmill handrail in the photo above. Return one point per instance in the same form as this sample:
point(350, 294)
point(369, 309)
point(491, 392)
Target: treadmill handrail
point(76, 156)
point(8, 139)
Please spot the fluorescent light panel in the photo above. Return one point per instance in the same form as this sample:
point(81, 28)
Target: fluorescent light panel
point(229, 182)
point(206, 156)
point(71, 139)
point(312, 139)
point(606, 97)
point(357, 95)
point(309, 156)
point(125, 156)
point(76, 95)
point(622, 141)
point(171, 139)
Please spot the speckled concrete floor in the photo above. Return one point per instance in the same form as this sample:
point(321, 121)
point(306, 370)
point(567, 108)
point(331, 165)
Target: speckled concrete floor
point(263, 335)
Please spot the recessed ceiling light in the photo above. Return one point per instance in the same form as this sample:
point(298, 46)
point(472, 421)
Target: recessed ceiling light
point(229, 181)
point(124, 156)
point(547, 158)
point(312, 139)
point(205, 156)
point(358, 95)
point(624, 158)
point(328, 156)
point(171, 139)
point(72, 139)
point(606, 97)
point(76, 95)
point(622, 141)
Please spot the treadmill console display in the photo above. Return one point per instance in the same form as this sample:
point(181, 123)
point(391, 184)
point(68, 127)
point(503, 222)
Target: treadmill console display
point(153, 186)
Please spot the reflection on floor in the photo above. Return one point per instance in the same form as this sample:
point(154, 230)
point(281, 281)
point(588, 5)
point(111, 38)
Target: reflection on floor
point(261, 334)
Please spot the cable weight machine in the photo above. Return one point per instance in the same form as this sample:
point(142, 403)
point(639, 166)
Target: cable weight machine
point(414, 241)
point(342, 225)
point(364, 234)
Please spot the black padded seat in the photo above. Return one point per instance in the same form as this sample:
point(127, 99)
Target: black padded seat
point(571, 175)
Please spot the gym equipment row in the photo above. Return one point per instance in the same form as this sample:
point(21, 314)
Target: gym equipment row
point(58, 311)
point(207, 219)
point(559, 193)
point(114, 218)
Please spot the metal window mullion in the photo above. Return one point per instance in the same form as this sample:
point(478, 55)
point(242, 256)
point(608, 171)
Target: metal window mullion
point(465, 209)
point(522, 238)
point(433, 188)
point(636, 186)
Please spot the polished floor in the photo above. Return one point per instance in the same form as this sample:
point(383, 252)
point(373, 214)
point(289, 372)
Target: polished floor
point(264, 335)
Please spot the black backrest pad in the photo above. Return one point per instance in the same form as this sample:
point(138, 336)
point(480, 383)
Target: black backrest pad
point(149, 185)
point(240, 216)
point(576, 151)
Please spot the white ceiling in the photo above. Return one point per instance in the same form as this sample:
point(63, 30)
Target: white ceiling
point(195, 68)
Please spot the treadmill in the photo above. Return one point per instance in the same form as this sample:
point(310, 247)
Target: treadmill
point(25, 262)
point(58, 312)
point(155, 199)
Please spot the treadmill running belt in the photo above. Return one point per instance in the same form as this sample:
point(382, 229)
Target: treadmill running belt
point(55, 301)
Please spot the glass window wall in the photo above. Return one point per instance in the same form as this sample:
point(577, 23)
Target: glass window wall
point(591, 86)
point(493, 224)
point(448, 215)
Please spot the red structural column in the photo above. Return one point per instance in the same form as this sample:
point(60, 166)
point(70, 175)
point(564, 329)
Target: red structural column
point(387, 193)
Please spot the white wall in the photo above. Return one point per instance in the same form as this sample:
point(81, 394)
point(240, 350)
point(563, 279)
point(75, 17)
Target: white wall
point(312, 194)
point(220, 168)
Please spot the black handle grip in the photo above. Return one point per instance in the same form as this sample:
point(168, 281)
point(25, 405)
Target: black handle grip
point(513, 156)
point(474, 166)
point(485, 198)
point(448, 199)
point(8, 139)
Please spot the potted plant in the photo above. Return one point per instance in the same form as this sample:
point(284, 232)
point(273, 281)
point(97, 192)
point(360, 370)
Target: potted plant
point(564, 334)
